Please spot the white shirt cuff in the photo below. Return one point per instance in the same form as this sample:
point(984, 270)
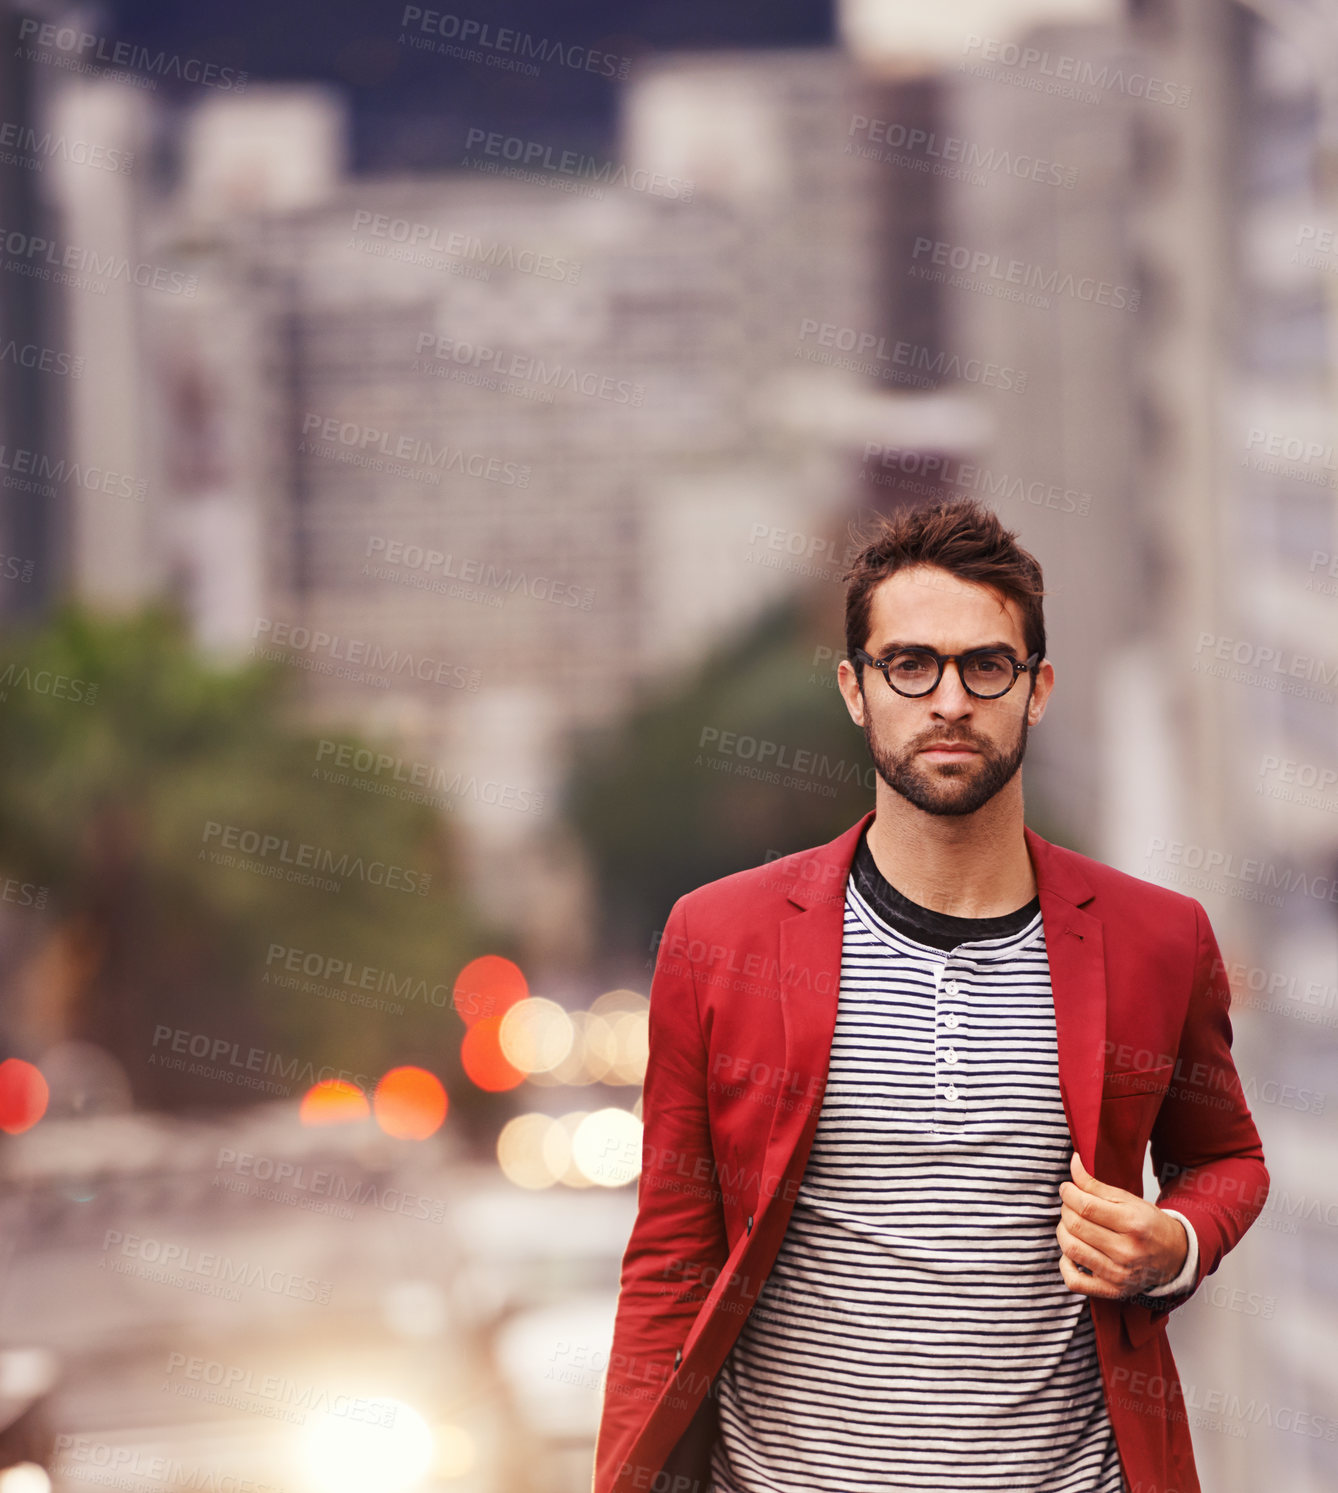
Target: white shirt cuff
point(1185, 1280)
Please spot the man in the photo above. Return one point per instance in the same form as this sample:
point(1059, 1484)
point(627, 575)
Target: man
point(890, 1229)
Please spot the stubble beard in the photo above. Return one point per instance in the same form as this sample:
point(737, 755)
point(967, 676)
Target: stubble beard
point(947, 788)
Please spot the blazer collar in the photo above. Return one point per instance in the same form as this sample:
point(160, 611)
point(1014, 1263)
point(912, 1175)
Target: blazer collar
point(820, 874)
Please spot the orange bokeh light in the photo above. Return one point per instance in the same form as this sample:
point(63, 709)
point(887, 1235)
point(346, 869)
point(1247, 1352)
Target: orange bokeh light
point(333, 1102)
point(483, 1060)
point(488, 987)
point(23, 1096)
point(410, 1103)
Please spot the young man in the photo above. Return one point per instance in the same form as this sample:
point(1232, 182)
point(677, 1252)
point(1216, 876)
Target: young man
point(891, 1231)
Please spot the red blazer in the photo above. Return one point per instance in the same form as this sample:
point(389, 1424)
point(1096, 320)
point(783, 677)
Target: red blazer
point(742, 1010)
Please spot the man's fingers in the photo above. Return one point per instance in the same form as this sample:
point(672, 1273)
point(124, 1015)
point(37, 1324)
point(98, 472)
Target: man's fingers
point(1109, 1212)
point(1114, 1244)
point(1085, 1285)
point(1084, 1180)
point(1081, 1253)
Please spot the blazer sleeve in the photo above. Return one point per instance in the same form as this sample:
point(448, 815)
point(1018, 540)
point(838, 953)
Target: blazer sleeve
point(678, 1242)
point(1206, 1151)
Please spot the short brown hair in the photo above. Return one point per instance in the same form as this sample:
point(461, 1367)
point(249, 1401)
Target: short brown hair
point(961, 536)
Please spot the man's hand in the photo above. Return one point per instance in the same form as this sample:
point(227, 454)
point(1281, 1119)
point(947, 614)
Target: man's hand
point(1113, 1243)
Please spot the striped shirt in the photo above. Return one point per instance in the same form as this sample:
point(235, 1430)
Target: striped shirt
point(915, 1331)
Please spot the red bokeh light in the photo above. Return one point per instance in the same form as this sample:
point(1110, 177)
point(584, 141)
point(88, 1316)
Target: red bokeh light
point(483, 1060)
point(410, 1103)
point(23, 1096)
point(488, 987)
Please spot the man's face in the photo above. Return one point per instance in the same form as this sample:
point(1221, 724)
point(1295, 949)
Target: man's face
point(908, 739)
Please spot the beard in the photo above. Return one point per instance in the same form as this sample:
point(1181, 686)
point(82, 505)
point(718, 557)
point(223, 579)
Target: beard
point(948, 788)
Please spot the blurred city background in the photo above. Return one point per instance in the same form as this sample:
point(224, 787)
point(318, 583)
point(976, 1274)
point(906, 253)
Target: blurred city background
point(430, 443)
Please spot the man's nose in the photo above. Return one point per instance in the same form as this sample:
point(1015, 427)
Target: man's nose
point(951, 697)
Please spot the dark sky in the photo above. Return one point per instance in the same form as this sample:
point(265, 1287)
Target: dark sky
point(411, 107)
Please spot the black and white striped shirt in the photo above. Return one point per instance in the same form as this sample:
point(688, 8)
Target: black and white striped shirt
point(915, 1332)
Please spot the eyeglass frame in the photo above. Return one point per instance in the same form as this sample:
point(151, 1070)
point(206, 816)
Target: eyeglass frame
point(1028, 666)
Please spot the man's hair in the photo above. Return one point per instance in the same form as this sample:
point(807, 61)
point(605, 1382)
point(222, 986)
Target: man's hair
point(959, 535)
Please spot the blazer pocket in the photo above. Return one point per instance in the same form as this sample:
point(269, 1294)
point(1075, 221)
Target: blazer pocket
point(1137, 1081)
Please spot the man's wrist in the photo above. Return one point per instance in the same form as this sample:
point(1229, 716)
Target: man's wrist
point(1185, 1277)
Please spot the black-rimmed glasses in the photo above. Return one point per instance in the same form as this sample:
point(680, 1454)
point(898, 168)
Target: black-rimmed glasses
point(986, 673)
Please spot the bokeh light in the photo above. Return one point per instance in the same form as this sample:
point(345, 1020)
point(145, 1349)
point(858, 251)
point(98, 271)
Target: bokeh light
point(333, 1101)
point(606, 1147)
point(488, 987)
point(457, 1455)
point(23, 1096)
point(345, 1455)
point(410, 1103)
point(483, 1060)
point(522, 1152)
point(535, 1035)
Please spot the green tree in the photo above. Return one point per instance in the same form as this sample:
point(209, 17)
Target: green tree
point(130, 766)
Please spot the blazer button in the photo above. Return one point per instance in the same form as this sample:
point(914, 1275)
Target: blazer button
point(750, 1223)
point(678, 1356)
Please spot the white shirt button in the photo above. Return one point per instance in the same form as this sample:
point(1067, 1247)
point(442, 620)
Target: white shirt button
point(950, 1019)
point(952, 987)
point(950, 1056)
point(951, 1091)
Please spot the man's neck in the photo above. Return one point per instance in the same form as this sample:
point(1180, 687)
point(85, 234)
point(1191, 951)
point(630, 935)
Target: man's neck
point(970, 865)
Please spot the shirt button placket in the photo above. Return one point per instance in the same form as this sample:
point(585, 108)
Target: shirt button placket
point(952, 1022)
